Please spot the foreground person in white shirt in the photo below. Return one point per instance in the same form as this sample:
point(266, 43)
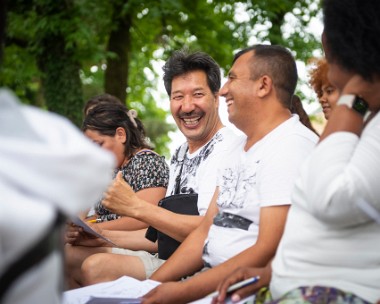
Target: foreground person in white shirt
point(48, 170)
point(329, 252)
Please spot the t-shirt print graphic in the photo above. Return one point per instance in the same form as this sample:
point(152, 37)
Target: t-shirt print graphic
point(234, 187)
point(190, 166)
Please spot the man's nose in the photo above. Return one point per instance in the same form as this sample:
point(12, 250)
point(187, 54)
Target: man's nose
point(187, 104)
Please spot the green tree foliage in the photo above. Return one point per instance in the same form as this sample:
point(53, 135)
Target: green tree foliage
point(60, 53)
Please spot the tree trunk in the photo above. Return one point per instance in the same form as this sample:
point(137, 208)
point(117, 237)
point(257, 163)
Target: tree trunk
point(116, 75)
point(60, 78)
point(62, 87)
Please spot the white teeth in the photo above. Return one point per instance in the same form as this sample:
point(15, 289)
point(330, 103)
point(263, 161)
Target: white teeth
point(229, 102)
point(191, 121)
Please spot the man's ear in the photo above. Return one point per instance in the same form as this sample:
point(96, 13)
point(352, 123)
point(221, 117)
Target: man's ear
point(264, 86)
point(121, 135)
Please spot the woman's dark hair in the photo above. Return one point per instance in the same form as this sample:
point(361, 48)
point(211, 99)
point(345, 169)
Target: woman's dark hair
point(98, 99)
point(297, 108)
point(181, 63)
point(276, 62)
point(107, 117)
point(351, 35)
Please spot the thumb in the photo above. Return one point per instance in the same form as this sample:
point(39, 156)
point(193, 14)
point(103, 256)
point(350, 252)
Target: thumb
point(119, 176)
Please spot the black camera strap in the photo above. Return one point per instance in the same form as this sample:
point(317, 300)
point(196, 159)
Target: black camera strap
point(49, 242)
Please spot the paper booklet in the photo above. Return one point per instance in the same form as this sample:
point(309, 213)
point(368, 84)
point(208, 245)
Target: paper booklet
point(125, 290)
point(77, 221)
point(120, 291)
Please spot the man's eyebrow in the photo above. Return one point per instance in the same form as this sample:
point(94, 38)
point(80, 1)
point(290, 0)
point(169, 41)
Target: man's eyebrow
point(199, 89)
point(231, 73)
point(193, 90)
point(175, 92)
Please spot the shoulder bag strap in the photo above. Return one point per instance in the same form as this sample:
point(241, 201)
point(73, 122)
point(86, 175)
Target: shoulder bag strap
point(151, 232)
point(33, 256)
point(178, 178)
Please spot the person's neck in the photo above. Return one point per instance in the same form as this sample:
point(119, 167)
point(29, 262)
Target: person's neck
point(195, 145)
point(260, 128)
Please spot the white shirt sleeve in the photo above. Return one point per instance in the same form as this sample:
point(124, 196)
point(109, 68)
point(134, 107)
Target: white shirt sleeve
point(351, 172)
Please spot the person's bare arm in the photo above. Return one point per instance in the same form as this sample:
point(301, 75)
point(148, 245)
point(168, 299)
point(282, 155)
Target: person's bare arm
point(133, 240)
point(150, 195)
point(121, 199)
point(272, 221)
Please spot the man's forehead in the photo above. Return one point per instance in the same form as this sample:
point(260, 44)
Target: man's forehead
point(241, 64)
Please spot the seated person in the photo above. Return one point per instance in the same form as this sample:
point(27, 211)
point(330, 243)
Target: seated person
point(327, 93)
point(114, 128)
point(192, 82)
point(110, 126)
point(329, 252)
point(247, 213)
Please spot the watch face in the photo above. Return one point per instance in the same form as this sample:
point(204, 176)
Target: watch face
point(360, 105)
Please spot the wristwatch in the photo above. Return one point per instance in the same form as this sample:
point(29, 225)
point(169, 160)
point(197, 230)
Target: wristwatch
point(354, 102)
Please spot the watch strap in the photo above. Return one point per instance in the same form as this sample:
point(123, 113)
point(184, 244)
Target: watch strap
point(354, 102)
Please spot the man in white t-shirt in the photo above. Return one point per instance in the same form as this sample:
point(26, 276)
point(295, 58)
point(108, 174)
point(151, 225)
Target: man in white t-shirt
point(329, 252)
point(199, 171)
point(246, 217)
point(192, 82)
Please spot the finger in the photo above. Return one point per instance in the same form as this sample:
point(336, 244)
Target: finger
point(215, 300)
point(119, 176)
point(148, 298)
point(243, 293)
point(72, 234)
point(106, 200)
point(223, 287)
point(67, 240)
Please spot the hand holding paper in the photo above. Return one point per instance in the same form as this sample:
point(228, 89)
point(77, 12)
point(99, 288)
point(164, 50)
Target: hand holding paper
point(91, 234)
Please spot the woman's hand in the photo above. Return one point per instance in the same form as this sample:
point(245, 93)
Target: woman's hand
point(369, 91)
point(73, 233)
point(239, 275)
point(76, 236)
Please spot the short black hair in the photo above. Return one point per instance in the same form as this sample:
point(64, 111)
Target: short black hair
point(278, 63)
point(352, 31)
point(182, 62)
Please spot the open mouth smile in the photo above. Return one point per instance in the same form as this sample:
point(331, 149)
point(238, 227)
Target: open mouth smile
point(191, 121)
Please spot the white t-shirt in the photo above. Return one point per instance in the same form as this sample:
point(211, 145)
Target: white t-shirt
point(200, 168)
point(263, 176)
point(45, 164)
point(328, 240)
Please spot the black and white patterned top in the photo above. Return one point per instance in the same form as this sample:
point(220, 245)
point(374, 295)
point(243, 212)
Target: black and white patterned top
point(145, 169)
